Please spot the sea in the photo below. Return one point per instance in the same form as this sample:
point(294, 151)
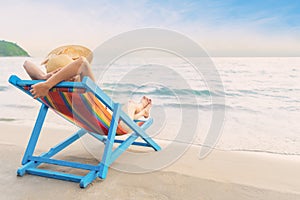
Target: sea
point(259, 108)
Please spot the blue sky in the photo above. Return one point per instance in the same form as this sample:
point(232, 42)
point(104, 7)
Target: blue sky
point(223, 28)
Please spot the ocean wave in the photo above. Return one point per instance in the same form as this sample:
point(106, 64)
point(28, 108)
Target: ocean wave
point(289, 108)
point(7, 119)
point(250, 150)
point(200, 107)
point(272, 93)
point(156, 90)
point(239, 93)
point(19, 106)
point(208, 107)
point(3, 88)
point(276, 152)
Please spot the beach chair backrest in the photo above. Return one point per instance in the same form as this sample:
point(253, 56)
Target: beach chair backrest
point(81, 108)
point(81, 103)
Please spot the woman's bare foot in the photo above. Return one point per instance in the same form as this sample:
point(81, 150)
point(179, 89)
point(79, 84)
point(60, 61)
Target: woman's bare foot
point(145, 112)
point(39, 90)
point(142, 104)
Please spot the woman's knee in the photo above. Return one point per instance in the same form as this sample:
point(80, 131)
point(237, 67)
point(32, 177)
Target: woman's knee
point(84, 61)
point(26, 63)
point(80, 61)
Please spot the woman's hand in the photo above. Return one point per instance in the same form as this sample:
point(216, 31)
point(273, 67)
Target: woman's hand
point(39, 90)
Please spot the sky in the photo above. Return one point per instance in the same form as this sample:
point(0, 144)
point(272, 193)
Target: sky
point(221, 27)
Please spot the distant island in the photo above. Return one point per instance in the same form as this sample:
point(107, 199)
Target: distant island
point(11, 49)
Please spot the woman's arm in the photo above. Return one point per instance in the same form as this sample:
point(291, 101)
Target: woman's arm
point(79, 67)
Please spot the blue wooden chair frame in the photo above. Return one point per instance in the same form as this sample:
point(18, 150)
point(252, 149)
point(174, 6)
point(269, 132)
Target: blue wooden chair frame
point(30, 162)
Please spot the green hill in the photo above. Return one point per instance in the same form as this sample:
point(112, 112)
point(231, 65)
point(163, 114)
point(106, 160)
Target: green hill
point(11, 49)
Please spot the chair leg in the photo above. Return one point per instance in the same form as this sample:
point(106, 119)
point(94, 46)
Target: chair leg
point(35, 133)
point(139, 131)
point(89, 178)
point(53, 151)
point(105, 162)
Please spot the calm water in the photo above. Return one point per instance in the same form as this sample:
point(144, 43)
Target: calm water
point(262, 99)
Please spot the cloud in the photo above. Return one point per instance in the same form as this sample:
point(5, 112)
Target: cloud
point(223, 28)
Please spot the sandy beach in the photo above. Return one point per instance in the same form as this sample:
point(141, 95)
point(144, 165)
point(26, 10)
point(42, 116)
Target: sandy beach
point(221, 175)
point(222, 76)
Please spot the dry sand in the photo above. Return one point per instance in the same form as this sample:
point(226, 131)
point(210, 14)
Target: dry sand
point(220, 176)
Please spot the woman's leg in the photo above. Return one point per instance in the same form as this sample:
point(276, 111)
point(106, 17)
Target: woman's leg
point(86, 70)
point(145, 112)
point(34, 71)
point(138, 110)
point(132, 109)
point(79, 67)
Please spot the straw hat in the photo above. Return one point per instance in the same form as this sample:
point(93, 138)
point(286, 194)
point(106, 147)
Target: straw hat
point(64, 55)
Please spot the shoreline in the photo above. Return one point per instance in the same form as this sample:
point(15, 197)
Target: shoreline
point(70, 127)
point(225, 175)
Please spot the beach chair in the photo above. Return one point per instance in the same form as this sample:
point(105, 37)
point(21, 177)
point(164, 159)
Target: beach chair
point(88, 107)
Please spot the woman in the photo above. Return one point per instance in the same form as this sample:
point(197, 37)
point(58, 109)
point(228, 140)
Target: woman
point(72, 63)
